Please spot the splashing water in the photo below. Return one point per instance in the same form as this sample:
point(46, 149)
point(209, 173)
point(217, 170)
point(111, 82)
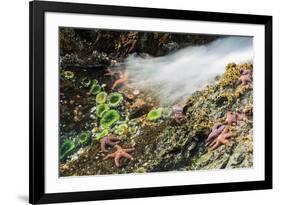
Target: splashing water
point(176, 76)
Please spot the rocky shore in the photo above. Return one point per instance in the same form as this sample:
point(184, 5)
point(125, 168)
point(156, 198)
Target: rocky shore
point(172, 138)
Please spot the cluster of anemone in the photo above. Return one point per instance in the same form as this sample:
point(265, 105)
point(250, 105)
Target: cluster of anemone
point(106, 106)
point(154, 114)
point(114, 99)
point(67, 148)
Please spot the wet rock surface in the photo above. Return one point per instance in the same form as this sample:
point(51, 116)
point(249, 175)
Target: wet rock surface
point(169, 146)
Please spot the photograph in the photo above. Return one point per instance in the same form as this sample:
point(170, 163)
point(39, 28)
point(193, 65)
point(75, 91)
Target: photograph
point(136, 102)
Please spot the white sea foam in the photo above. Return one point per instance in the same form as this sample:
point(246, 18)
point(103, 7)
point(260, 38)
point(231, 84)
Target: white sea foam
point(178, 75)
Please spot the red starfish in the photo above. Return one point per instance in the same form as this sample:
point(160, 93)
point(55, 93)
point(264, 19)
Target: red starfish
point(123, 78)
point(221, 139)
point(120, 152)
point(108, 140)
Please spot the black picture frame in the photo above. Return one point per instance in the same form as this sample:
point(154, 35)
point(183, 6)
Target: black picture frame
point(37, 10)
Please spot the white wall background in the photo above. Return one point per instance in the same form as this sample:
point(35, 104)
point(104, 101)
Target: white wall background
point(14, 100)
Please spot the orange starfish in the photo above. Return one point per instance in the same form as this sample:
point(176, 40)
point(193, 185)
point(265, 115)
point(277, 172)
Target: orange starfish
point(123, 78)
point(120, 152)
point(223, 138)
point(108, 140)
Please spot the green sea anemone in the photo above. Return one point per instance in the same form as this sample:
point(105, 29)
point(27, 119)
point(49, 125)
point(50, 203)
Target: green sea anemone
point(95, 82)
point(101, 134)
point(109, 118)
point(68, 74)
point(133, 129)
point(84, 138)
point(66, 149)
point(95, 89)
point(101, 109)
point(166, 112)
point(86, 82)
point(115, 99)
point(101, 97)
point(154, 114)
point(122, 129)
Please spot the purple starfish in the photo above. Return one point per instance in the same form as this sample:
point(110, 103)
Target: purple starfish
point(216, 131)
point(108, 141)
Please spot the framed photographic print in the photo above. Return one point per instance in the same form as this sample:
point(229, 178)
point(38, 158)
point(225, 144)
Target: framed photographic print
point(140, 102)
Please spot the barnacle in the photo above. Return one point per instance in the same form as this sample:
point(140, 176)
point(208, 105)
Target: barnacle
point(115, 99)
point(241, 90)
point(101, 97)
point(101, 109)
point(225, 97)
point(230, 76)
point(68, 74)
point(109, 119)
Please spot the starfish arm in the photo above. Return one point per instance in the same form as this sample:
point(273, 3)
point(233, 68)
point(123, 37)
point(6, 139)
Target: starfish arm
point(212, 143)
point(112, 143)
point(215, 146)
point(228, 135)
point(113, 138)
point(126, 155)
point(210, 137)
point(116, 160)
point(129, 150)
point(109, 156)
point(115, 84)
point(224, 141)
point(103, 146)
